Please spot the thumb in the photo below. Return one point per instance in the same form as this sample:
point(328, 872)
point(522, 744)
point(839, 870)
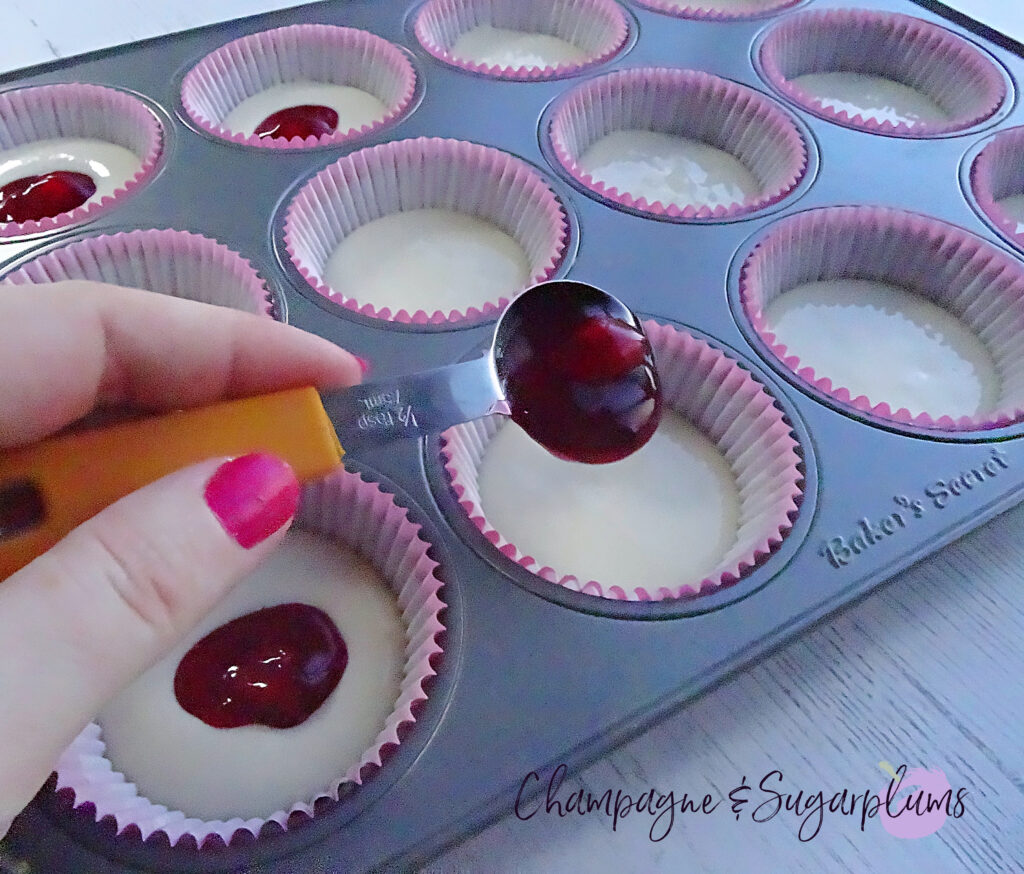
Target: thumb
point(84, 619)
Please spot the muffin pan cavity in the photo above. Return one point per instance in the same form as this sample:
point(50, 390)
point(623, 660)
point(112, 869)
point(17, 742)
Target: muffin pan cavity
point(71, 152)
point(898, 315)
point(677, 144)
point(426, 230)
point(161, 773)
point(176, 263)
point(996, 181)
point(881, 72)
point(710, 496)
point(524, 40)
point(334, 84)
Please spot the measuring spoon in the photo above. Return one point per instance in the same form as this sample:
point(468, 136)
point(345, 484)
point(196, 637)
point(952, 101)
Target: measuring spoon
point(568, 362)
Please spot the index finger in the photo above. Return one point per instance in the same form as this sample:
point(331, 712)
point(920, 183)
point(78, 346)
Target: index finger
point(69, 347)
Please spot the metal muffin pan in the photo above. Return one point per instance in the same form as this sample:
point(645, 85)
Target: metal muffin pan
point(533, 675)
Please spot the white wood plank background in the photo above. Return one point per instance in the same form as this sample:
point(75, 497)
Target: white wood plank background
point(927, 671)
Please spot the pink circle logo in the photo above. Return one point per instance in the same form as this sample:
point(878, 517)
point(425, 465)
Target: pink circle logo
point(916, 802)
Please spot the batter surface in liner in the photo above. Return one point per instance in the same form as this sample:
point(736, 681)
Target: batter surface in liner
point(1013, 206)
point(664, 516)
point(429, 259)
point(502, 47)
point(888, 344)
point(354, 106)
point(109, 165)
point(871, 97)
point(670, 169)
point(179, 761)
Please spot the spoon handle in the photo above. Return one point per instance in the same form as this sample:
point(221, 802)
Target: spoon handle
point(415, 405)
point(51, 487)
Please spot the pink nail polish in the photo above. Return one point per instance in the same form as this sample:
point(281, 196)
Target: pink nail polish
point(253, 496)
point(364, 365)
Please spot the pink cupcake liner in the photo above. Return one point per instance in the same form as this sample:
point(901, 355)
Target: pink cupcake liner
point(177, 263)
point(365, 518)
point(683, 103)
point(724, 401)
point(598, 27)
point(418, 174)
point(717, 10)
point(966, 276)
point(950, 71)
point(315, 52)
point(48, 112)
point(998, 173)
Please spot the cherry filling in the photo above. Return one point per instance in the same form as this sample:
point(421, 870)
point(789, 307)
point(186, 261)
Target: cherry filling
point(273, 667)
point(303, 121)
point(32, 198)
point(579, 377)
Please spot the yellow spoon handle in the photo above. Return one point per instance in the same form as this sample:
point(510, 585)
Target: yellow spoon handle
point(72, 477)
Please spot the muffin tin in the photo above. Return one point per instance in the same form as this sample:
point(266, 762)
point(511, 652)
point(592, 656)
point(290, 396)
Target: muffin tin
point(535, 673)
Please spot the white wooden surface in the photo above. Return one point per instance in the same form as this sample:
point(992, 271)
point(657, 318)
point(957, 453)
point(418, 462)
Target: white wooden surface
point(929, 670)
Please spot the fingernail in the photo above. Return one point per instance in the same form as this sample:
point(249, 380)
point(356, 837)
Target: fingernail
point(253, 496)
point(364, 365)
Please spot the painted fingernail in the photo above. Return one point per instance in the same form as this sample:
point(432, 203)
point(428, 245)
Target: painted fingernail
point(253, 496)
point(364, 365)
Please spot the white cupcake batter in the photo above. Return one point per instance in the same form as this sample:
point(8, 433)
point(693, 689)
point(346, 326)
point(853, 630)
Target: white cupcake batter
point(664, 516)
point(354, 106)
point(888, 344)
point(514, 48)
point(1014, 207)
point(179, 761)
point(429, 259)
point(871, 97)
point(669, 169)
point(110, 166)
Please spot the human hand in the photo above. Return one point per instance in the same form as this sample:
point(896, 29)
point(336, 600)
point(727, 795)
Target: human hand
point(87, 617)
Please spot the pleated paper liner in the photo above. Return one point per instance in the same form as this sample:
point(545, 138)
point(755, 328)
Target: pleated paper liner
point(739, 438)
point(382, 77)
point(881, 72)
point(718, 10)
point(360, 516)
point(426, 231)
point(997, 182)
point(177, 263)
point(901, 316)
point(94, 123)
point(522, 39)
point(659, 124)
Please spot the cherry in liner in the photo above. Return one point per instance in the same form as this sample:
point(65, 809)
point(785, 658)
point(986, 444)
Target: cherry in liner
point(32, 198)
point(307, 120)
point(273, 667)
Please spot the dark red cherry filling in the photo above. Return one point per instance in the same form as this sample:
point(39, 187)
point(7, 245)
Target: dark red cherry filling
point(273, 667)
point(579, 377)
point(601, 350)
point(299, 121)
point(32, 198)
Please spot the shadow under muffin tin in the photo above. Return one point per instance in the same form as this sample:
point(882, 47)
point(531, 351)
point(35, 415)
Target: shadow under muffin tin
point(864, 490)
